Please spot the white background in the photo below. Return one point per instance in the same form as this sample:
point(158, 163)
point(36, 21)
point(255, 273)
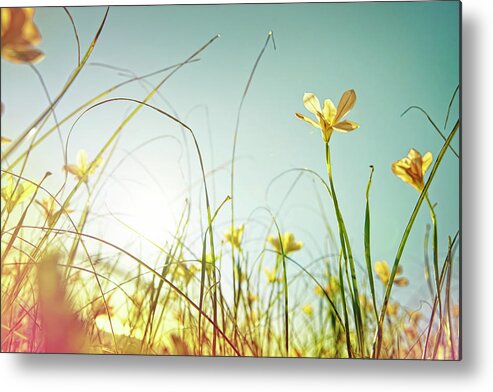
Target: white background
point(86, 373)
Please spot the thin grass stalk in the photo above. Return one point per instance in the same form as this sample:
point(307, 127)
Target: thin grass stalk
point(448, 306)
point(233, 158)
point(430, 120)
point(427, 260)
point(367, 237)
point(446, 265)
point(344, 308)
point(435, 253)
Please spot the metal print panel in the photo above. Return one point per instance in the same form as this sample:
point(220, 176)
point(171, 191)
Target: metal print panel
point(268, 180)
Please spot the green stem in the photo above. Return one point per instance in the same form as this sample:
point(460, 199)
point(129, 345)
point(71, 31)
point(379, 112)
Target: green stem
point(435, 252)
point(347, 253)
point(367, 245)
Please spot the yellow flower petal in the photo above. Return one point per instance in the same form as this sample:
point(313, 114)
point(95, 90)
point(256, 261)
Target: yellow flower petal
point(308, 120)
point(287, 241)
point(411, 169)
point(22, 55)
point(346, 126)
point(392, 308)
point(72, 169)
point(308, 310)
point(383, 271)
point(234, 235)
point(312, 103)
point(5, 140)
point(82, 160)
point(401, 281)
point(20, 35)
point(329, 111)
point(15, 192)
point(427, 159)
point(345, 105)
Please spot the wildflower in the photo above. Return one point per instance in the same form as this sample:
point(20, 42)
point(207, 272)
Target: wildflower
point(252, 297)
point(393, 308)
point(320, 291)
point(412, 168)
point(181, 271)
point(415, 317)
point(334, 285)
point(330, 119)
point(331, 288)
point(308, 310)
point(15, 193)
point(83, 169)
point(20, 36)
point(287, 241)
point(50, 211)
point(234, 235)
point(209, 260)
point(271, 275)
point(383, 273)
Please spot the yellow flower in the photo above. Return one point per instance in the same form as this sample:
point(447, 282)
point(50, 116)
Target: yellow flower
point(83, 169)
point(20, 36)
point(383, 272)
point(289, 244)
point(308, 310)
point(252, 297)
point(331, 288)
point(182, 271)
point(271, 275)
point(334, 285)
point(393, 308)
point(415, 317)
point(14, 195)
point(234, 235)
point(412, 168)
point(330, 119)
point(320, 291)
point(50, 210)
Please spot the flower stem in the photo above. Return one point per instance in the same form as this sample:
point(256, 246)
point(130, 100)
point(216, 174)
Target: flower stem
point(348, 255)
point(435, 252)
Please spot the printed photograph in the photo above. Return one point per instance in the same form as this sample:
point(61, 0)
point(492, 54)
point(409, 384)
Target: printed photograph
point(262, 180)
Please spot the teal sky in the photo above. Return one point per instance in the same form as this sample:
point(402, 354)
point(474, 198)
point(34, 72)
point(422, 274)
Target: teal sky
point(393, 54)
